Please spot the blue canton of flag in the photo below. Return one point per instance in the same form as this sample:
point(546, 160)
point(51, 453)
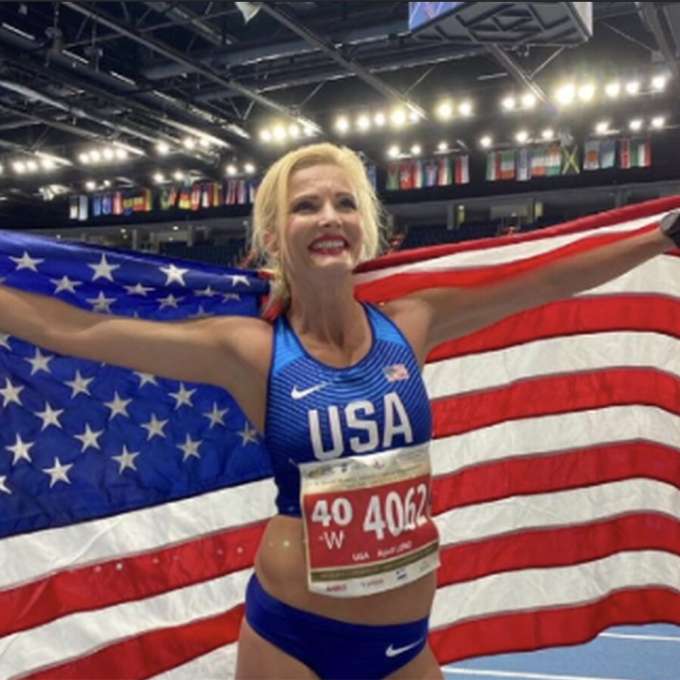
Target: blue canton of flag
point(82, 440)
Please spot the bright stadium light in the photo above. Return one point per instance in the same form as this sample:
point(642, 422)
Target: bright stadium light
point(485, 142)
point(163, 148)
point(398, 117)
point(522, 136)
point(548, 134)
point(445, 110)
point(586, 92)
point(566, 94)
point(659, 83)
point(178, 175)
point(90, 185)
point(249, 168)
point(265, 136)
point(108, 154)
point(613, 89)
point(309, 131)
point(19, 167)
point(413, 117)
point(509, 103)
point(379, 119)
point(47, 164)
point(465, 109)
point(279, 133)
point(95, 156)
point(364, 122)
point(633, 87)
point(658, 122)
point(121, 154)
point(602, 128)
point(83, 158)
point(31, 165)
point(635, 125)
point(393, 151)
point(443, 146)
point(416, 150)
point(342, 125)
point(293, 131)
point(158, 177)
point(231, 170)
point(189, 143)
point(529, 100)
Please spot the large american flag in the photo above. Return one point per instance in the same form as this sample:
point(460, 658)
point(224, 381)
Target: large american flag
point(131, 506)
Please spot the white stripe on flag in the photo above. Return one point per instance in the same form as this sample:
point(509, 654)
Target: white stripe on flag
point(535, 589)
point(557, 509)
point(80, 634)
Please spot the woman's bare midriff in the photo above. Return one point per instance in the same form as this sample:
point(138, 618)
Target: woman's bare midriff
point(280, 565)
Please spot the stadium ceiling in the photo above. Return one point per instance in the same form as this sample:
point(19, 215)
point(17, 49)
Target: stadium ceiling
point(204, 79)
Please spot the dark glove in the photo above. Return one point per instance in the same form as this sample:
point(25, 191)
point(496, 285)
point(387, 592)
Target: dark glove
point(670, 225)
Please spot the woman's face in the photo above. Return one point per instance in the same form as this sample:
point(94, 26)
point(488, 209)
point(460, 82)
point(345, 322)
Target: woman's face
point(323, 229)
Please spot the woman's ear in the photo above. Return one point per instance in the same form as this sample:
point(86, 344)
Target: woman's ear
point(271, 242)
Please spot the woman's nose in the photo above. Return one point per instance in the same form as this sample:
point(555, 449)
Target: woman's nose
point(328, 215)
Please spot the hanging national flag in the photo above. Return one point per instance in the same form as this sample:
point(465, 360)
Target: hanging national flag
point(392, 183)
point(431, 171)
point(635, 153)
point(555, 461)
point(607, 153)
point(539, 161)
point(462, 170)
point(444, 171)
point(591, 156)
point(523, 165)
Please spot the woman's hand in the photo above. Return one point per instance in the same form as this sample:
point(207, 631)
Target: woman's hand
point(670, 226)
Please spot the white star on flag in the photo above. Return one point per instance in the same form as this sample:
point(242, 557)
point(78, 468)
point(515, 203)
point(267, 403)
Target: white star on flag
point(3, 487)
point(10, 393)
point(64, 283)
point(79, 384)
point(20, 450)
point(230, 296)
point(169, 301)
point(26, 262)
point(58, 472)
point(4, 341)
point(206, 292)
point(155, 427)
point(239, 278)
point(101, 303)
point(126, 460)
point(103, 270)
point(174, 274)
point(182, 396)
point(39, 362)
point(190, 448)
point(216, 415)
point(118, 406)
point(146, 378)
point(89, 438)
point(201, 313)
point(138, 289)
point(49, 416)
point(248, 435)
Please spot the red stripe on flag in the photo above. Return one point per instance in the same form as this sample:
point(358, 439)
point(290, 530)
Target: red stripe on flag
point(558, 546)
point(146, 655)
point(590, 222)
point(568, 625)
point(574, 316)
point(392, 286)
point(148, 574)
point(555, 471)
point(549, 395)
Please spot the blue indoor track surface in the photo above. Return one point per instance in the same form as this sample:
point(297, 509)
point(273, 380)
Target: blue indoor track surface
point(649, 652)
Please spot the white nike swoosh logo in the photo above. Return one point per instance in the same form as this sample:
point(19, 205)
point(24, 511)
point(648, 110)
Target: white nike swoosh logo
point(391, 651)
point(301, 394)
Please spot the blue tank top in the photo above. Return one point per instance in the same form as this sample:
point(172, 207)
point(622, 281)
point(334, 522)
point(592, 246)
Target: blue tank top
point(318, 412)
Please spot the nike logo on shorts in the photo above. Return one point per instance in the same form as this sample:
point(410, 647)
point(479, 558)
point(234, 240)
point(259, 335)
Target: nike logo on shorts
point(301, 394)
point(396, 651)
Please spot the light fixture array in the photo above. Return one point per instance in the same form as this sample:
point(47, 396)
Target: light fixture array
point(281, 133)
point(103, 156)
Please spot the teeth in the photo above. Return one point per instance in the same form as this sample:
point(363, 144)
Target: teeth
point(328, 244)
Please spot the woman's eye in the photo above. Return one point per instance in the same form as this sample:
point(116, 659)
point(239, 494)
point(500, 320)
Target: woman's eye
point(348, 203)
point(304, 206)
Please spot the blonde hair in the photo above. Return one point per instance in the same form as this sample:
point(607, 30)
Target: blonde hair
point(271, 208)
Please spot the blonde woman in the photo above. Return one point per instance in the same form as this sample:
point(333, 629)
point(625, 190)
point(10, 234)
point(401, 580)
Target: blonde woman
point(345, 573)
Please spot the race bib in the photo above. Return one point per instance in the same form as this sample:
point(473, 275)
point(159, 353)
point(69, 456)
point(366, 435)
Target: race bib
point(367, 522)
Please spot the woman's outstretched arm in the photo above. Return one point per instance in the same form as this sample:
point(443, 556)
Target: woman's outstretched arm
point(448, 313)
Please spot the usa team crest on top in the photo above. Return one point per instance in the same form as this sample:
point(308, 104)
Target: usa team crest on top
point(395, 372)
